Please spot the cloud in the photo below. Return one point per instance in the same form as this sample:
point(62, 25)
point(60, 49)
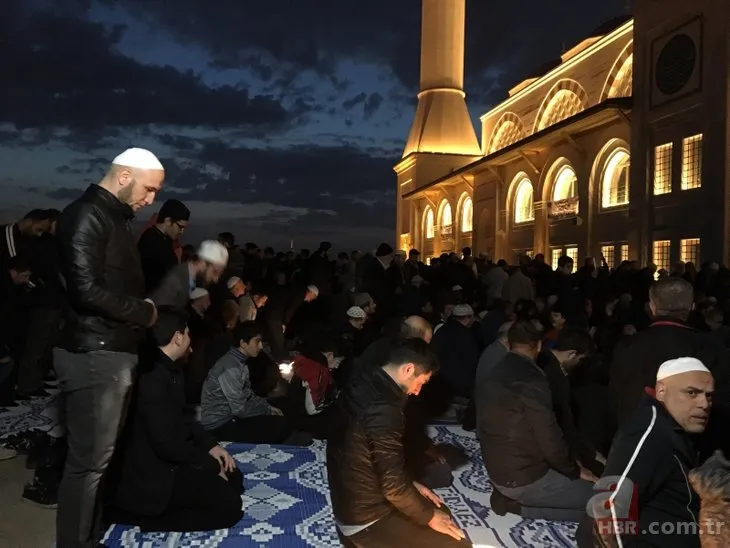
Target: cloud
point(52, 87)
point(500, 40)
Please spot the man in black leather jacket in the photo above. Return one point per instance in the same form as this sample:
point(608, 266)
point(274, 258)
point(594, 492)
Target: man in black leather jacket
point(374, 500)
point(105, 320)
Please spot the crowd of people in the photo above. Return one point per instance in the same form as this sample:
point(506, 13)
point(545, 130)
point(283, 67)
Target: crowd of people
point(585, 389)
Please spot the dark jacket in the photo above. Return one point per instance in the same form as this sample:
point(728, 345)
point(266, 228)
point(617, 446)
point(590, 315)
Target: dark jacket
point(656, 455)
point(637, 359)
point(174, 291)
point(162, 440)
point(517, 428)
point(365, 457)
point(458, 352)
point(157, 255)
point(100, 266)
point(563, 404)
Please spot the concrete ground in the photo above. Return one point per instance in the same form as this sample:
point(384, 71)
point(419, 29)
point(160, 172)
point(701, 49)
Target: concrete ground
point(22, 525)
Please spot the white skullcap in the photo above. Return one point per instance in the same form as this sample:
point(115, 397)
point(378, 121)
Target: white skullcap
point(232, 282)
point(197, 293)
point(313, 289)
point(678, 366)
point(462, 311)
point(456, 288)
point(213, 252)
point(139, 158)
point(356, 312)
point(416, 279)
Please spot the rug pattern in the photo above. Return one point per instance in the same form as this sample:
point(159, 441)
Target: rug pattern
point(287, 501)
point(287, 504)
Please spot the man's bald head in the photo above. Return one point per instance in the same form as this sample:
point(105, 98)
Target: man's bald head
point(416, 327)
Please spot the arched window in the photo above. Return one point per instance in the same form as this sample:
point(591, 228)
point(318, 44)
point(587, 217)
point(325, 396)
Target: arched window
point(446, 217)
point(524, 202)
point(564, 104)
point(467, 215)
point(622, 84)
point(429, 224)
point(565, 185)
point(615, 179)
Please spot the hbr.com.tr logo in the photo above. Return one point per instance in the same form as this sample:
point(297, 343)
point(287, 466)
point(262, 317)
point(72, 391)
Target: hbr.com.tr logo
point(615, 508)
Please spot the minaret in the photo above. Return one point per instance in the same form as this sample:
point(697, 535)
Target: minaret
point(442, 123)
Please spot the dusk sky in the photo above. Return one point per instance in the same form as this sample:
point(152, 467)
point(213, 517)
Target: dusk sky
point(275, 119)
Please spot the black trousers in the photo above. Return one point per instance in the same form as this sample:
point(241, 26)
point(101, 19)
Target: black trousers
point(201, 501)
point(261, 429)
point(396, 530)
point(35, 359)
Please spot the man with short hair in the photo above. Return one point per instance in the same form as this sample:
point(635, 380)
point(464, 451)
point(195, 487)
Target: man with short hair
point(175, 477)
point(375, 501)
point(525, 453)
point(571, 347)
point(649, 463)
point(156, 244)
point(636, 359)
point(105, 320)
point(16, 239)
point(230, 410)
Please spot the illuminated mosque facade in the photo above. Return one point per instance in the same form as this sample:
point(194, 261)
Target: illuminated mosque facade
point(619, 149)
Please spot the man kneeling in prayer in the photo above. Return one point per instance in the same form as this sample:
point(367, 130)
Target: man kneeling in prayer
point(375, 501)
point(175, 477)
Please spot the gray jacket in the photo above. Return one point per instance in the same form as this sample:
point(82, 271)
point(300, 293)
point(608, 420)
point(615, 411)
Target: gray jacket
point(247, 308)
point(227, 393)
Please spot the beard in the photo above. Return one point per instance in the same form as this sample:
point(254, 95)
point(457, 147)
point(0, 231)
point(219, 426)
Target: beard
point(125, 194)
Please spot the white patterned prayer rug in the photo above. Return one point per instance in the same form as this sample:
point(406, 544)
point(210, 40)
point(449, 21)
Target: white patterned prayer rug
point(287, 502)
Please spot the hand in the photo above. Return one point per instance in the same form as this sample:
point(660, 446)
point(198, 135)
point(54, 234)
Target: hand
point(224, 458)
point(443, 524)
point(428, 494)
point(276, 411)
point(283, 329)
point(600, 458)
point(587, 475)
point(223, 475)
point(153, 321)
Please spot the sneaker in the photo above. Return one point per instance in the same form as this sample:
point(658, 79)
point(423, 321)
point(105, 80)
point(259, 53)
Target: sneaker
point(40, 495)
point(7, 454)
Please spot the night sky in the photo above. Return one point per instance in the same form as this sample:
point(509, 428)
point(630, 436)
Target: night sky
point(275, 119)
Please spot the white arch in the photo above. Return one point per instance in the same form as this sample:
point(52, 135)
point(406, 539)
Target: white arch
point(564, 104)
point(446, 217)
point(429, 223)
point(524, 200)
point(615, 179)
point(564, 184)
point(622, 84)
point(467, 215)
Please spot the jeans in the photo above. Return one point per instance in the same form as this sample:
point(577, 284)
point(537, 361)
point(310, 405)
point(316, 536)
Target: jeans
point(552, 497)
point(94, 396)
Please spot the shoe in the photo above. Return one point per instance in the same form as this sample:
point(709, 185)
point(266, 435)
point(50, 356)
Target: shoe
point(7, 454)
point(23, 442)
point(503, 505)
point(40, 495)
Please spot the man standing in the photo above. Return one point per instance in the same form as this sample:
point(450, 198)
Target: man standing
point(375, 501)
point(105, 320)
point(157, 243)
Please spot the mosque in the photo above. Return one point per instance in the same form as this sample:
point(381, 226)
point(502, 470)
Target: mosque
point(620, 148)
